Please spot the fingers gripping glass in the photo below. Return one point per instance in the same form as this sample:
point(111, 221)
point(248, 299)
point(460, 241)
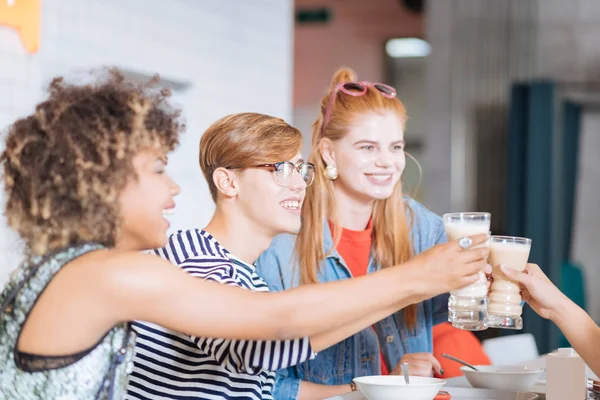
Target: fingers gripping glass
point(283, 172)
point(355, 89)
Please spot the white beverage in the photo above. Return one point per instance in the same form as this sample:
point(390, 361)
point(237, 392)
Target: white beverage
point(467, 306)
point(455, 230)
point(505, 298)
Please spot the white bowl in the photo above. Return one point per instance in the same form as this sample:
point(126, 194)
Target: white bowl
point(502, 377)
point(391, 387)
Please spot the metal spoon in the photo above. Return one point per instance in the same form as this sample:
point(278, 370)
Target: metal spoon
point(405, 372)
point(458, 360)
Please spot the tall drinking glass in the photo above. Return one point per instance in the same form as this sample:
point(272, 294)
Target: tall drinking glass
point(504, 308)
point(467, 307)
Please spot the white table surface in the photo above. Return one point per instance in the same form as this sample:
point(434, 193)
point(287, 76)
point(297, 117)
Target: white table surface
point(459, 393)
point(460, 389)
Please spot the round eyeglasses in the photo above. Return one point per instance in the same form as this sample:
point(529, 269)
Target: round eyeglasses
point(283, 172)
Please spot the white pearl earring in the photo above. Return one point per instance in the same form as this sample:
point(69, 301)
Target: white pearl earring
point(332, 172)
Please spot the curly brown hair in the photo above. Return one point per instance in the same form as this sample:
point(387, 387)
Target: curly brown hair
point(65, 166)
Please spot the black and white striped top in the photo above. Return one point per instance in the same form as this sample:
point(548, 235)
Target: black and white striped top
point(172, 365)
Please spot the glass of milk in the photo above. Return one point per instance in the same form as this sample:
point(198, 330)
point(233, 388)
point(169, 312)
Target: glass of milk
point(468, 307)
point(504, 308)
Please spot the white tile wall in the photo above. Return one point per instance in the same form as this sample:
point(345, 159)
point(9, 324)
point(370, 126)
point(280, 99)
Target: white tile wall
point(237, 55)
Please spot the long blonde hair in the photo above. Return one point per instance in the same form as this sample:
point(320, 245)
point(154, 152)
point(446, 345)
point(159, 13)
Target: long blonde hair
point(391, 238)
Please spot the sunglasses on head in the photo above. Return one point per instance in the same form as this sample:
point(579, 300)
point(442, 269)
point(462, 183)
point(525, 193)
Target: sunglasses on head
point(355, 89)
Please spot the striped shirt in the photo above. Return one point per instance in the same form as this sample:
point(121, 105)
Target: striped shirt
point(172, 365)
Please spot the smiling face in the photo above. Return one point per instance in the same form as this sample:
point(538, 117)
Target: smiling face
point(272, 207)
point(370, 158)
point(144, 201)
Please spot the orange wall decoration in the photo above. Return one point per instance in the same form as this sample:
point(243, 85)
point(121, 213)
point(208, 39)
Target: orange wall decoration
point(24, 16)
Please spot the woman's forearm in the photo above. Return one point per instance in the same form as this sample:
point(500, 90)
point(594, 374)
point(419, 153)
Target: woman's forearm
point(348, 306)
point(581, 331)
point(232, 312)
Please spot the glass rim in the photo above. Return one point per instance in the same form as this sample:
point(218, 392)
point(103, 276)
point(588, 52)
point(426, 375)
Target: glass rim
point(486, 215)
point(513, 239)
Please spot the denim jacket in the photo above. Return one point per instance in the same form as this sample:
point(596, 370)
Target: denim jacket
point(359, 354)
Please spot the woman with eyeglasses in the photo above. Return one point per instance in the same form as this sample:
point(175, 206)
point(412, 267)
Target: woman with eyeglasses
point(258, 179)
point(356, 221)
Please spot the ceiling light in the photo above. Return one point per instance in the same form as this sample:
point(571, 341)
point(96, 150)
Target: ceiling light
point(407, 47)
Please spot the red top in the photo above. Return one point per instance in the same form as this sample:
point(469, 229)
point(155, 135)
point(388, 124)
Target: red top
point(355, 248)
point(459, 343)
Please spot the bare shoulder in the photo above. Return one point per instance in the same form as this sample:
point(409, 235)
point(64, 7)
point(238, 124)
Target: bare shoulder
point(91, 294)
point(115, 274)
point(121, 269)
point(112, 263)
point(125, 282)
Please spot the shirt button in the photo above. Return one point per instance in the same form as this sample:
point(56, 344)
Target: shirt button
point(389, 339)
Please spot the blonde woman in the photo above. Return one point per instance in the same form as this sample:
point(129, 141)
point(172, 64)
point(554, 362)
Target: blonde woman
point(356, 221)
